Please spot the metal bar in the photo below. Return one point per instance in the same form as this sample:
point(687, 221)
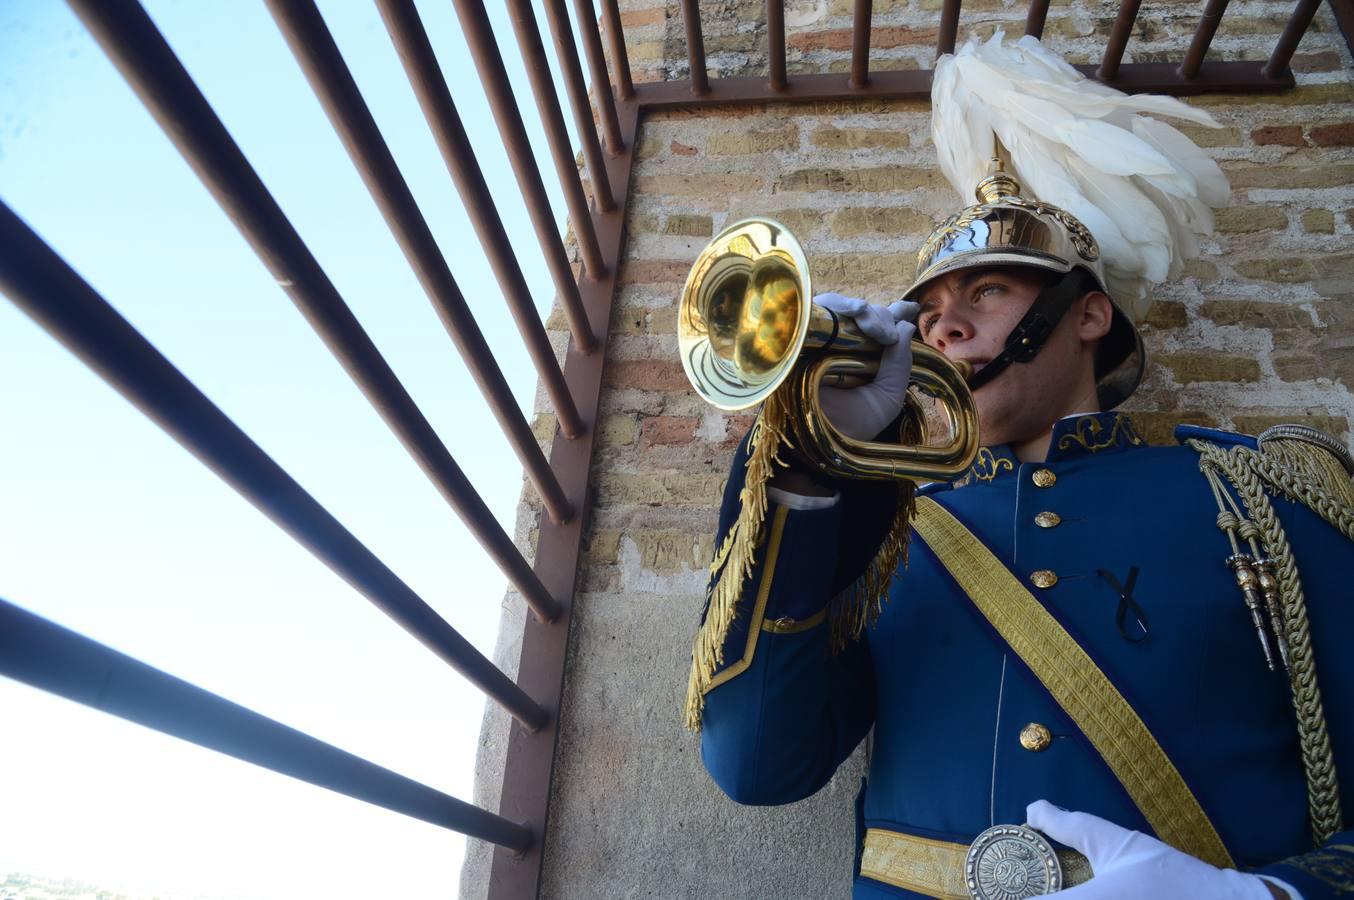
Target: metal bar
point(51, 658)
point(420, 64)
point(1133, 78)
point(615, 33)
point(1034, 20)
point(1203, 36)
point(319, 57)
point(949, 28)
point(567, 55)
point(601, 80)
point(1114, 48)
point(58, 299)
point(860, 43)
point(1216, 78)
point(1288, 41)
point(150, 66)
point(530, 759)
point(775, 42)
point(543, 87)
point(494, 78)
point(1344, 18)
point(695, 47)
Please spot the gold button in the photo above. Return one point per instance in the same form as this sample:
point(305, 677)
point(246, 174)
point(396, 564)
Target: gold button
point(1044, 478)
point(1047, 519)
point(1044, 578)
point(1035, 737)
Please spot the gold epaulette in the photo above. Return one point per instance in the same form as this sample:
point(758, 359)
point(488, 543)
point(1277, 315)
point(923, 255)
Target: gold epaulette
point(1318, 466)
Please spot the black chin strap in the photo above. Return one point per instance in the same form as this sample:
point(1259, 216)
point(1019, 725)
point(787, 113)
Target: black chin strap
point(1028, 337)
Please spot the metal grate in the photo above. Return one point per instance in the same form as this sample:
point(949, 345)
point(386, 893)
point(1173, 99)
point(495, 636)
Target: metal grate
point(55, 659)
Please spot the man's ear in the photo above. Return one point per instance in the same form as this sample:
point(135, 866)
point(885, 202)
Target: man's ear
point(1096, 314)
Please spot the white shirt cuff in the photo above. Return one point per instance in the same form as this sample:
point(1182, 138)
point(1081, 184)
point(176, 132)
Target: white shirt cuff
point(1293, 892)
point(800, 501)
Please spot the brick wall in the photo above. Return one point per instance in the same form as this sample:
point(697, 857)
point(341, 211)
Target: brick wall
point(1260, 330)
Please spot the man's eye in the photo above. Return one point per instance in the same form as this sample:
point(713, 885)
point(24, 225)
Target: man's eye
point(987, 289)
point(927, 321)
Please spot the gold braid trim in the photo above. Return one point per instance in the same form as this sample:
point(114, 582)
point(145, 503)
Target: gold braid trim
point(1250, 472)
point(734, 561)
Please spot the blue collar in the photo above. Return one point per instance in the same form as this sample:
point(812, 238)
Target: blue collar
point(1073, 437)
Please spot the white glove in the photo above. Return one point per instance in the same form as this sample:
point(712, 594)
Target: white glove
point(1129, 864)
point(862, 412)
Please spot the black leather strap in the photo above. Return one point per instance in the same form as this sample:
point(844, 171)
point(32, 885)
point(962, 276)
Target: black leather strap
point(1032, 331)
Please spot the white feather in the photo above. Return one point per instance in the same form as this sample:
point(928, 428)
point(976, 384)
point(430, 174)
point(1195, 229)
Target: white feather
point(1141, 186)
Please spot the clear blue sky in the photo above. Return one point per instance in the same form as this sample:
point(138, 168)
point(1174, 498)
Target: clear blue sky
point(109, 527)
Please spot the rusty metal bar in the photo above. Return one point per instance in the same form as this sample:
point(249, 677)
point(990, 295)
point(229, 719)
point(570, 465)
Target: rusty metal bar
point(860, 43)
point(35, 278)
point(139, 51)
point(480, 37)
point(949, 28)
point(314, 48)
point(420, 64)
point(1118, 41)
point(1035, 18)
point(1288, 41)
point(775, 42)
point(615, 33)
point(51, 658)
point(530, 758)
point(1203, 36)
point(601, 80)
point(557, 136)
point(1344, 20)
point(567, 54)
point(494, 79)
point(695, 47)
point(1133, 78)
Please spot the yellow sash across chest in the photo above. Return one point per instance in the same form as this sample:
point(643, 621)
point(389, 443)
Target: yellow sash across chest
point(1083, 691)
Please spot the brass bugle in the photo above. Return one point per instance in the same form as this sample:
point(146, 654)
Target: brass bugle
point(747, 326)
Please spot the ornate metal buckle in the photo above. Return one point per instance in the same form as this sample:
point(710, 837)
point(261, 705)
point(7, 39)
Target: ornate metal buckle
point(1011, 862)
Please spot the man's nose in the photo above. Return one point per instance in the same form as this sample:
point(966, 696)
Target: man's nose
point(950, 329)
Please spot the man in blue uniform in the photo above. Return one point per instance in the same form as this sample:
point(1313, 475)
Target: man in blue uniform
point(1138, 652)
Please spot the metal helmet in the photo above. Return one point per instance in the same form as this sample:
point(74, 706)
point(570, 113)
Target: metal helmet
point(1006, 229)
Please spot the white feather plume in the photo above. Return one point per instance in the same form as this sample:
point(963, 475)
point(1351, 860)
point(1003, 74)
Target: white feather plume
point(1144, 190)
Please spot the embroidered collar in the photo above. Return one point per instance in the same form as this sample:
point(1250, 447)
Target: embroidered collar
point(1105, 432)
point(1073, 436)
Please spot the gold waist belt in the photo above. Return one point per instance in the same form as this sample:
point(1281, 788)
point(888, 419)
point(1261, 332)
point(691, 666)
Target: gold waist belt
point(936, 868)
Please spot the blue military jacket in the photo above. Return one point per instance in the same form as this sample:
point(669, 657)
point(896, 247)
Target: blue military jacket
point(947, 701)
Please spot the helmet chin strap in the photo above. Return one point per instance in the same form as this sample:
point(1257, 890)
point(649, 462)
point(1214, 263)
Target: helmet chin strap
point(1033, 330)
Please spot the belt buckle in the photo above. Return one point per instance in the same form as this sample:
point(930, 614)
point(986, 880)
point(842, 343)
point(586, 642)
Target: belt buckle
point(1011, 862)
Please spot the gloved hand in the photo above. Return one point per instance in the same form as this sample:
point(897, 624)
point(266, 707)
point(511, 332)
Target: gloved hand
point(1131, 864)
point(862, 412)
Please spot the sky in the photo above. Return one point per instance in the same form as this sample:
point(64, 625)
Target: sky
point(109, 527)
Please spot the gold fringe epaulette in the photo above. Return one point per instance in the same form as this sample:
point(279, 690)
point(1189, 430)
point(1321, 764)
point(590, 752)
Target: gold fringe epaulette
point(858, 607)
point(849, 612)
point(1318, 464)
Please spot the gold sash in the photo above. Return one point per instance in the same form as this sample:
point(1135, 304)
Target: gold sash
point(1076, 683)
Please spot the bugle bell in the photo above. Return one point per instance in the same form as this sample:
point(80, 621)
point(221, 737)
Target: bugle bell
point(746, 326)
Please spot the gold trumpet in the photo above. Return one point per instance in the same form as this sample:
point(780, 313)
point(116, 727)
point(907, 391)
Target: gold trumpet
point(746, 325)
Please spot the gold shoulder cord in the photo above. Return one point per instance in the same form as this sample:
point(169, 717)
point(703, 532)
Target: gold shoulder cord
point(1309, 473)
point(849, 612)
